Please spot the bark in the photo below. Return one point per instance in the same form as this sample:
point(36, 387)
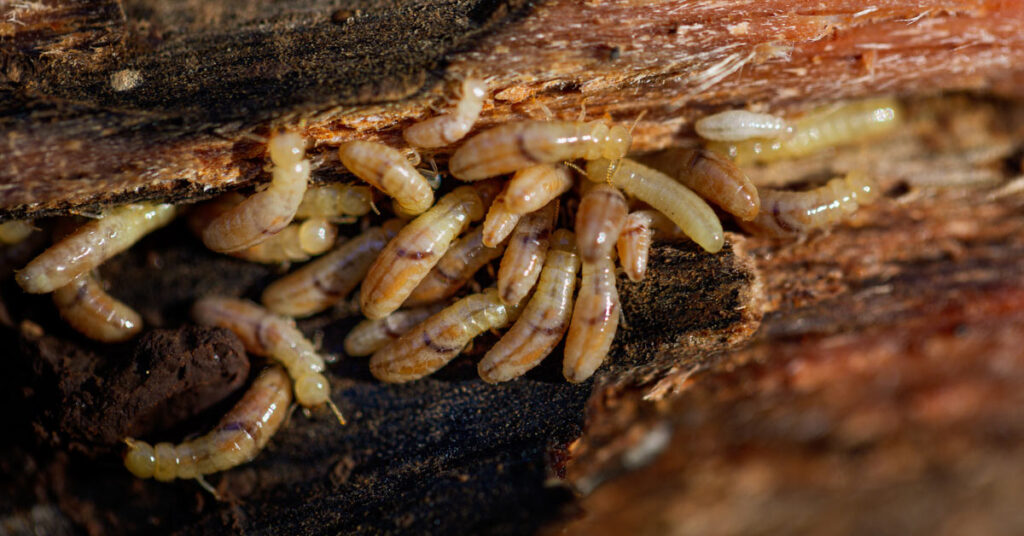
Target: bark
point(106, 102)
point(858, 380)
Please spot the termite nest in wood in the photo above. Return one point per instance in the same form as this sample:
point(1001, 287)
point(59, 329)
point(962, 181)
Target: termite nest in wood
point(573, 204)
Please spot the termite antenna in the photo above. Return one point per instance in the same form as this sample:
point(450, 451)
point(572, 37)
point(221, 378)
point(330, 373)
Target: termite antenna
point(490, 80)
point(255, 137)
point(291, 410)
point(583, 110)
point(434, 176)
point(548, 114)
point(578, 169)
point(206, 485)
point(337, 412)
point(637, 120)
point(612, 166)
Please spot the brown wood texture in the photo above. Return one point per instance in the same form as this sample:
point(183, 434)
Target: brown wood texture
point(108, 102)
point(863, 380)
point(879, 394)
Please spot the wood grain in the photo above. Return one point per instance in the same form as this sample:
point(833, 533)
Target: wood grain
point(157, 102)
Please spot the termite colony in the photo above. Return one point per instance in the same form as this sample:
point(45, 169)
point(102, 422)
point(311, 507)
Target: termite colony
point(412, 267)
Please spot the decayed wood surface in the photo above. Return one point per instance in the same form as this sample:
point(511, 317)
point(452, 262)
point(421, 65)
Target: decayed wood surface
point(880, 392)
point(888, 360)
point(882, 397)
point(104, 101)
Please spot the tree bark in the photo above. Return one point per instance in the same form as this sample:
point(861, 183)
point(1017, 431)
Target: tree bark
point(106, 102)
point(862, 379)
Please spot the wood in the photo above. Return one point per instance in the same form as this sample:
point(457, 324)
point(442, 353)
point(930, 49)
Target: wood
point(887, 356)
point(105, 113)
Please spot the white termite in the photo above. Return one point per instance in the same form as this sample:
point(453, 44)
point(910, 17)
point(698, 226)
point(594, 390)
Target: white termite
point(738, 125)
point(410, 256)
point(264, 333)
point(87, 307)
point(369, 336)
point(239, 436)
point(328, 279)
point(389, 171)
point(463, 259)
point(599, 220)
point(449, 128)
point(634, 243)
point(830, 126)
point(544, 320)
point(685, 208)
point(795, 213)
point(265, 213)
point(522, 144)
point(524, 257)
point(595, 319)
point(432, 344)
point(92, 244)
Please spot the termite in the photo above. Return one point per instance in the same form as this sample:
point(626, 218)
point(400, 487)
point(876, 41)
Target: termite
point(713, 177)
point(449, 128)
point(390, 172)
point(325, 281)
point(238, 437)
point(436, 341)
point(685, 208)
point(335, 201)
point(92, 312)
point(524, 257)
point(527, 191)
point(369, 336)
point(467, 255)
point(544, 320)
point(795, 213)
point(295, 243)
point(826, 127)
point(410, 256)
point(634, 243)
point(522, 144)
point(92, 244)
point(594, 320)
point(264, 333)
point(532, 188)
point(265, 213)
point(14, 231)
point(599, 220)
point(499, 223)
point(739, 125)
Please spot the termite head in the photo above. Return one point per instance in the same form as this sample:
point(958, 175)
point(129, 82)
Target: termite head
point(616, 143)
point(475, 87)
point(140, 458)
point(286, 148)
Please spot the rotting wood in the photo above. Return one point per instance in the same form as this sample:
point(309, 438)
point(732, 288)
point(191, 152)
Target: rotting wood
point(159, 102)
point(883, 391)
point(959, 249)
point(450, 454)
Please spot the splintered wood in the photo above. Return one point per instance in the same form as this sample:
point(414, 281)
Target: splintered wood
point(105, 140)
